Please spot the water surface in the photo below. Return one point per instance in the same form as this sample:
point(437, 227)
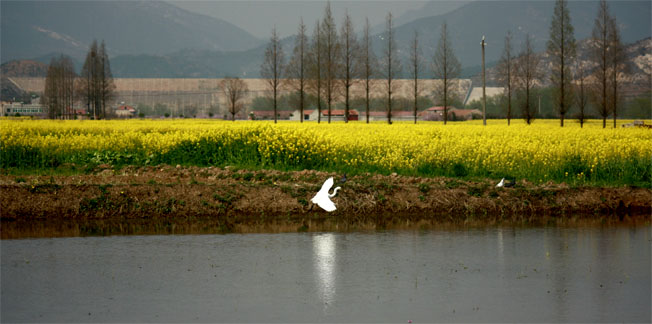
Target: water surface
point(477, 275)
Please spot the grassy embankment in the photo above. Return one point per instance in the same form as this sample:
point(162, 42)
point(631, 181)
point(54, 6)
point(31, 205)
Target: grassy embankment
point(398, 174)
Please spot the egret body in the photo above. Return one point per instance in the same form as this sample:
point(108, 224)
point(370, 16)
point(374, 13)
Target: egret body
point(323, 198)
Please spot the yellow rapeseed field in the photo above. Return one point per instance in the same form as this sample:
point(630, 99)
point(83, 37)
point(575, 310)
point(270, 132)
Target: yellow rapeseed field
point(539, 152)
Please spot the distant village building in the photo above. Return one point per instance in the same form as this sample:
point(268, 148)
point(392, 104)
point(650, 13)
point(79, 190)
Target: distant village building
point(339, 114)
point(269, 114)
point(454, 114)
point(464, 114)
point(401, 115)
point(32, 109)
point(125, 111)
point(476, 93)
point(434, 113)
point(80, 113)
point(374, 116)
point(308, 115)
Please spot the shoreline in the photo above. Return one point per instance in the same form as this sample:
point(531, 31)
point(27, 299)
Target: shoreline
point(166, 199)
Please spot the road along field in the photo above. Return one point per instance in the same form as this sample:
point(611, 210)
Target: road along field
point(538, 153)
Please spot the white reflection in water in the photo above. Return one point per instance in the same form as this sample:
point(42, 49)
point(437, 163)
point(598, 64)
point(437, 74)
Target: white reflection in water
point(501, 246)
point(323, 246)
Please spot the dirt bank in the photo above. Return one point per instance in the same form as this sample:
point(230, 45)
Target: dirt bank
point(194, 199)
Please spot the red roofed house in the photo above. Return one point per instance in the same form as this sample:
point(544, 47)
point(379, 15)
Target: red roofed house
point(338, 114)
point(80, 113)
point(433, 113)
point(125, 111)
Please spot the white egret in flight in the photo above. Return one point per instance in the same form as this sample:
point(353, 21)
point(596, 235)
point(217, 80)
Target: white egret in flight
point(322, 198)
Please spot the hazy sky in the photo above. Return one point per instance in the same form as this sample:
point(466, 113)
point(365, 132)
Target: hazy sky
point(258, 17)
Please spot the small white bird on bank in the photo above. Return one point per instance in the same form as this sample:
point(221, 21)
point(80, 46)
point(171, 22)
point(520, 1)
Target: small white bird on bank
point(511, 182)
point(322, 198)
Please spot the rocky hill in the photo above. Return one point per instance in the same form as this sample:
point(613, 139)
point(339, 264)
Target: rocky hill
point(493, 19)
point(23, 68)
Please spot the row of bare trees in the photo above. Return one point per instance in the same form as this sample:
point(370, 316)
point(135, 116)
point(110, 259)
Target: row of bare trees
point(329, 64)
point(59, 93)
point(574, 83)
point(94, 87)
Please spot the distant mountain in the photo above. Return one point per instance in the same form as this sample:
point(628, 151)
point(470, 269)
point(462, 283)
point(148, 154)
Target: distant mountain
point(468, 23)
point(189, 64)
point(23, 68)
point(156, 39)
point(35, 28)
point(430, 9)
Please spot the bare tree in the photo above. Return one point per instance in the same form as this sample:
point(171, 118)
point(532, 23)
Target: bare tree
point(561, 48)
point(506, 73)
point(315, 68)
point(68, 86)
point(234, 90)
point(330, 57)
point(392, 64)
point(446, 68)
point(51, 93)
point(415, 65)
point(600, 42)
point(272, 68)
point(581, 92)
point(617, 64)
point(106, 85)
point(350, 50)
point(87, 85)
point(527, 76)
point(58, 94)
point(297, 68)
point(96, 85)
point(368, 64)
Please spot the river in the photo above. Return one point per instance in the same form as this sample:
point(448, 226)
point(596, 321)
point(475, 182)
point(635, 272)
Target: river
point(496, 274)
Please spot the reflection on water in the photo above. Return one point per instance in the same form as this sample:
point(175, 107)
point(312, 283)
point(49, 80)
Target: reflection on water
point(500, 248)
point(599, 274)
point(324, 260)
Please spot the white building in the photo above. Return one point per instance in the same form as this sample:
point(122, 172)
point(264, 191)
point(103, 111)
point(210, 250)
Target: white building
point(11, 109)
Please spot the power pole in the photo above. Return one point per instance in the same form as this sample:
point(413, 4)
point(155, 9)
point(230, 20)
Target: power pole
point(484, 94)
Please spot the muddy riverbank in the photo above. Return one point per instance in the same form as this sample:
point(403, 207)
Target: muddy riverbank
point(196, 200)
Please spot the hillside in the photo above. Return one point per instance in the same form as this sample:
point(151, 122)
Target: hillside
point(189, 64)
point(159, 40)
point(638, 71)
point(429, 9)
point(524, 17)
point(9, 90)
point(35, 28)
point(23, 68)
point(493, 19)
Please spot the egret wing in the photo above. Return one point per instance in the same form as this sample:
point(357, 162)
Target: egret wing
point(326, 187)
point(326, 204)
